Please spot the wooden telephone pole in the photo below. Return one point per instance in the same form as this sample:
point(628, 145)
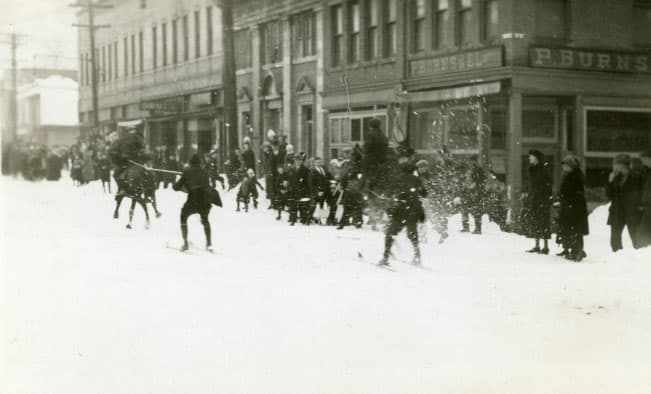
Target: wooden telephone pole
point(13, 100)
point(228, 75)
point(89, 7)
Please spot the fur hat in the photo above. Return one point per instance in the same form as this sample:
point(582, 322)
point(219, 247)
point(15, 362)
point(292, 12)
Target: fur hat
point(623, 158)
point(572, 161)
point(271, 134)
point(538, 155)
point(289, 148)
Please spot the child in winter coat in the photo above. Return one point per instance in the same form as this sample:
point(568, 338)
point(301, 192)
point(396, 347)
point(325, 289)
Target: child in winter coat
point(248, 190)
point(281, 190)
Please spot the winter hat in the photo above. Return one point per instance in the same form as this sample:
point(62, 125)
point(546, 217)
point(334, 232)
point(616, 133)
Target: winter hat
point(571, 161)
point(195, 160)
point(271, 134)
point(623, 158)
point(422, 164)
point(538, 155)
point(247, 140)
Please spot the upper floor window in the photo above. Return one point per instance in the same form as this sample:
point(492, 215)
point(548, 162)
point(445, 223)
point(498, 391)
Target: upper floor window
point(464, 20)
point(337, 25)
point(372, 38)
point(417, 12)
point(242, 47)
point(175, 42)
point(154, 47)
point(186, 39)
point(491, 20)
point(126, 56)
point(271, 48)
point(441, 24)
point(642, 23)
point(304, 34)
point(390, 33)
point(163, 30)
point(355, 27)
point(551, 19)
point(133, 54)
point(141, 54)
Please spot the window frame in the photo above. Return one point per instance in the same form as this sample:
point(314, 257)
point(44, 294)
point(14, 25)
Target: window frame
point(390, 39)
point(460, 26)
point(354, 32)
point(337, 34)
point(601, 154)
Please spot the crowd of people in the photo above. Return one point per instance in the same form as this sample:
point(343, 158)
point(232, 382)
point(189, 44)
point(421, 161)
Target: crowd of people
point(389, 186)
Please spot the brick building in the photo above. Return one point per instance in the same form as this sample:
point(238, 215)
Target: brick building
point(506, 75)
point(509, 75)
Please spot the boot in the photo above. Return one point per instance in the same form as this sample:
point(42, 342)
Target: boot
point(416, 260)
point(536, 249)
point(384, 262)
point(563, 253)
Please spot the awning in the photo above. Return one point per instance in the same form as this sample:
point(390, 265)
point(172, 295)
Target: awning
point(130, 123)
point(451, 94)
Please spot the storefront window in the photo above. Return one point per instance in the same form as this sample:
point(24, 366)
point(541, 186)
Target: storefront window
point(618, 131)
point(497, 124)
point(539, 124)
point(335, 131)
point(462, 129)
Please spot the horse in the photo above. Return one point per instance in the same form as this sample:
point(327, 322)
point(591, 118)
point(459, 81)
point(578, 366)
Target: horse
point(138, 184)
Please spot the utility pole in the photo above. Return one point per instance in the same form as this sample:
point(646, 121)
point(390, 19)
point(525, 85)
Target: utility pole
point(228, 75)
point(14, 89)
point(89, 8)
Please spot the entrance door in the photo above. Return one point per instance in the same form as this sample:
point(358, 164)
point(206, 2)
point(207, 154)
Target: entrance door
point(307, 128)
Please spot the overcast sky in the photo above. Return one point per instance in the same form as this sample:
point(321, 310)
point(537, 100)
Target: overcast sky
point(48, 39)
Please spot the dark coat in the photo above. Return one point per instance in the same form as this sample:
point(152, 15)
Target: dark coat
point(299, 184)
point(406, 205)
point(573, 217)
point(539, 203)
point(644, 231)
point(624, 195)
point(248, 159)
point(196, 183)
point(320, 183)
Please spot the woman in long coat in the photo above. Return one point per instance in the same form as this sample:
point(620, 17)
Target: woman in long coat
point(539, 202)
point(573, 218)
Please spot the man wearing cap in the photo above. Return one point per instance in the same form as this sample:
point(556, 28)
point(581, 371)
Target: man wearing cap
point(623, 191)
point(299, 190)
point(644, 229)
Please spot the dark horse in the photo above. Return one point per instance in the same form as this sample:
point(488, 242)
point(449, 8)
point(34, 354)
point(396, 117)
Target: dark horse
point(139, 185)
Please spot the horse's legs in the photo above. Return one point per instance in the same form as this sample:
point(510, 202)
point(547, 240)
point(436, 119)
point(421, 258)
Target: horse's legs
point(143, 204)
point(153, 204)
point(118, 201)
point(133, 207)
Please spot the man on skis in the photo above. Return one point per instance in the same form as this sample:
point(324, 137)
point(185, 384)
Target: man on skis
point(405, 211)
point(196, 183)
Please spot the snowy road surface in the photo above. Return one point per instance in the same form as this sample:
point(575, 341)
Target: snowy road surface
point(87, 306)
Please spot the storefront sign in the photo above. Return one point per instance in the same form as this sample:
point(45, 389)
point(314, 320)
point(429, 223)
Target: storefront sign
point(470, 60)
point(172, 106)
point(591, 60)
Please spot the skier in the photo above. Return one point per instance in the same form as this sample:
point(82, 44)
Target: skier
point(406, 210)
point(196, 183)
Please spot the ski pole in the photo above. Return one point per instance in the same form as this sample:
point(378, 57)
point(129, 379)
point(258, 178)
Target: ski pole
point(155, 169)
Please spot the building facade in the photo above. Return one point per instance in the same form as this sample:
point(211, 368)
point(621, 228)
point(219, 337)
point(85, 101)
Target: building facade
point(159, 66)
point(493, 77)
point(47, 111)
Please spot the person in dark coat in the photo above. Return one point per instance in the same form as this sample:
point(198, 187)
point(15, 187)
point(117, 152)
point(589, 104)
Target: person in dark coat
point(539, 202)
point(104, 170)
point(623, 190)
point(281, 190)
point(644, 228)
point(573, 217)
point(472, 199)
point(319, 184)
point(406, 211)
point(248, 191)
point(299, 189)
point(196, 183)
point(248, 157)
point(54, 164)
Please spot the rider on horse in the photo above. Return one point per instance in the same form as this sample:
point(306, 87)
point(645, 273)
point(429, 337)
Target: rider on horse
point(126, 149)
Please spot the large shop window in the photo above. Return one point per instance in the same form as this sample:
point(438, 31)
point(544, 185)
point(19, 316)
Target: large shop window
point(611, 131)
point(462, 129)
point(348, 131)
point(642, 23)
point(551, 19)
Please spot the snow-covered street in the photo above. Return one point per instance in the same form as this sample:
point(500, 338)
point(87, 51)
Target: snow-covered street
point(88, 306)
